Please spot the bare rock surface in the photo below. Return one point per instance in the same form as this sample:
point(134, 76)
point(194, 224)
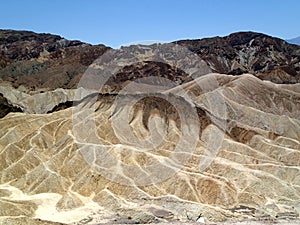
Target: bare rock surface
point(159, 142)
point(264, 56)
point(44, 60)
point(46, 172)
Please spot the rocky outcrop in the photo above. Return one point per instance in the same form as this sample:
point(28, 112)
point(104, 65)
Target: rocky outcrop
point(6, 107)
point(41, 103)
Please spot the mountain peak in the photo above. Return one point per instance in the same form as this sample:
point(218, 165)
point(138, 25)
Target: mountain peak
point(266, 57)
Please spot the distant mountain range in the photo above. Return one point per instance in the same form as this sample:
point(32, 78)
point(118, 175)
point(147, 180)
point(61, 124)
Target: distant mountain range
point(295, 41)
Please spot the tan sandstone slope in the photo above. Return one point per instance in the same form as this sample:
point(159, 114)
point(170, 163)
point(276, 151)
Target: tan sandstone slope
point(81, 164)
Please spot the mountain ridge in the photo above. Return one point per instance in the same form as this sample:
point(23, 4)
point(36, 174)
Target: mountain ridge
point(50, 61)
point(266, 57)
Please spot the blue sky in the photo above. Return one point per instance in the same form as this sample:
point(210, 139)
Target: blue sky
point(118, 22)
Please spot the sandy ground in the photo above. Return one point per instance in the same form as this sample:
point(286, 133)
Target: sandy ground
point(47, 210)
point(47, 206)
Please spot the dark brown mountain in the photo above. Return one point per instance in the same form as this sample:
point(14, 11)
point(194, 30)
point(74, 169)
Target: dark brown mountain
point(44, 60)
point(266, 57)
point(50, 61)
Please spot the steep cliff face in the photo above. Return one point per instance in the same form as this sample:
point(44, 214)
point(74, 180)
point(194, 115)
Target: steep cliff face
point(266, 57)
